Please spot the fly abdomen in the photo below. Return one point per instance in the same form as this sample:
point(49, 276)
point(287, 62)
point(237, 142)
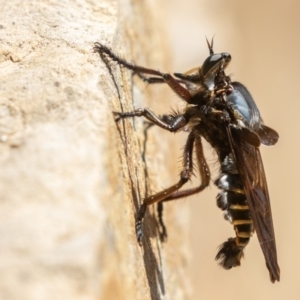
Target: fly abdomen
point(233, 202)
point(230, 182)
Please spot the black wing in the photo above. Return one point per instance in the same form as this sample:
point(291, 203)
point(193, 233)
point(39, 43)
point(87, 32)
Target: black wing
point(250, 167)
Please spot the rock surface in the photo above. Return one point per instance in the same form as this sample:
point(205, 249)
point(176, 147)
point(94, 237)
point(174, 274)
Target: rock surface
point(71, 180)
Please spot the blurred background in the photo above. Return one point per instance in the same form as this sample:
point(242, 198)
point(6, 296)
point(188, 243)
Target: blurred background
point(263, 40)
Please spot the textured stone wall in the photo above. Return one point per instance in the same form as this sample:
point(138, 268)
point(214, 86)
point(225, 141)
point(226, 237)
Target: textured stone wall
point(70, 178)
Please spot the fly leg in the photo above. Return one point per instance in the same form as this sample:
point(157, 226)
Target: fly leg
point(203, 170)
point(160, 196)
point(171, 124)
point(154, 80)
point(174, 84)
point(205, 179)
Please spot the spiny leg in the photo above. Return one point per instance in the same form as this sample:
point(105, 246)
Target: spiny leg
point(171, 124)
point(203, 170)
point(160, 196)
point(168, 79)
point(156, 80)
point(205, 179)
point(151, 79)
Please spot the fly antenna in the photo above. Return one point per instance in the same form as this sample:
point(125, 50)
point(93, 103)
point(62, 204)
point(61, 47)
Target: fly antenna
point(210, 45)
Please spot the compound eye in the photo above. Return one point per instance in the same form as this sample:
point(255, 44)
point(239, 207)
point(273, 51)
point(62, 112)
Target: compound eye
point(210, 63)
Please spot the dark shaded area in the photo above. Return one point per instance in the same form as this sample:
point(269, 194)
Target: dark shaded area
point(153, 268)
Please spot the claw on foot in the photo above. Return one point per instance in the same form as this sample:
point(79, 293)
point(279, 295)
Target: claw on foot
point(117, 116)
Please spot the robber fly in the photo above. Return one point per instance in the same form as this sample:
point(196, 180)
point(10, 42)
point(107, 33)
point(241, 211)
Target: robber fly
point(225, 115)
